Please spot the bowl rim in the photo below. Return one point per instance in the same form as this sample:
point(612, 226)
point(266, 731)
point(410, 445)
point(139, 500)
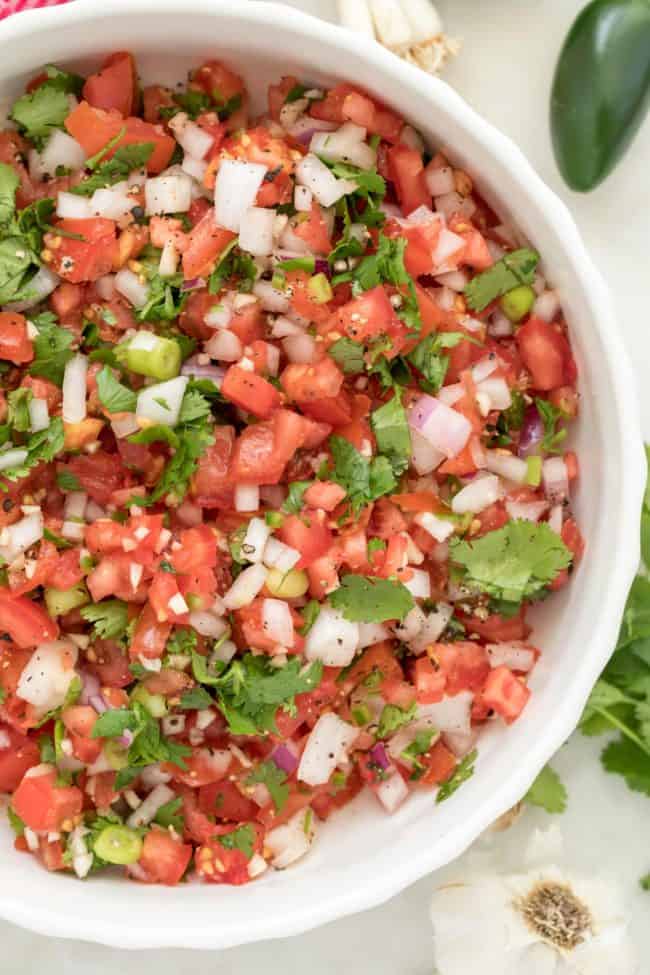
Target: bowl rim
point(56, 920)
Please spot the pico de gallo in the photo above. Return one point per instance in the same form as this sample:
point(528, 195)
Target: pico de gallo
point(283, 464)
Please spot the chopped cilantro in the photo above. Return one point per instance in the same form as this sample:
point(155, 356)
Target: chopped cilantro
point(515, 268)
point(547, 791)
point(386, 266)
point(310, 615)
point(169, 815)
point(193, 440)
point(39, 112)
point(18, 401)
point(41, 447)
point(551, 416)
point(294, 499)
point(113, 723)
point(113, 395)
point(233, 265)
point(393, 717)
point(52, 350)
point(390, 427)
point(196, 699)
point(512, 563)
point(109, 618)
point(67, 481)
point(464, 771)
point(15, 822)
point(123, 161)
point(348, 355)
point(9, 183)
point(419, 746)
point(363, 480)
point(242, 838)
point(194, 407)
point(295, 94)
point(429, 360)
point(268, 774)
point(365, 599)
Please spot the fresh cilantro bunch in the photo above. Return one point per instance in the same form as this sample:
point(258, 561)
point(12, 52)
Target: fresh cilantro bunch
point(513, 563)
point(620, 701)
point(250, 690)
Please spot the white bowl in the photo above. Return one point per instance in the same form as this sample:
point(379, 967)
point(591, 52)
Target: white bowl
point(362, 856)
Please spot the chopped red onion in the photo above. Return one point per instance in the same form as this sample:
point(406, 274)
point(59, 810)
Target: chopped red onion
point(444, 428)
point(194, 284)
point(532, 432)
point(285, 759)
point(97, 702)
point(379, 757)
point(192, 367)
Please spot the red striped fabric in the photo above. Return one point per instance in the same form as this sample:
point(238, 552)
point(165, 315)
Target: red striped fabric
point(9, 7)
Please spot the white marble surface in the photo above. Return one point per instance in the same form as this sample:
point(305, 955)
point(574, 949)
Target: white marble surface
point(505, 69)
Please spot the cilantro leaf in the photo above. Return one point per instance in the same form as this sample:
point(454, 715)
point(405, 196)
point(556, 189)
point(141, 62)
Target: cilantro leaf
point(369, 182)
point(116, 397)
point(168, 815)
point(15, 822)
point(18, 401)
point(123, 161)
point(109, 618)
point(393, 717)
point(625, 758)
point(193, 440)
point(150, 746)
point(113, 723)
point(547, 791)
point(386, 266)
point(391, 430)
point(644, 882)
point(268, 774)
point(363, 480)
point(39, 112)
point(293, 501)
point(366, 599)
point(194, 407)
point(16, 259)
point(429, 360)
point(251, 690)
point(192, 102)
point(517, 267)
point(196, 699)
point(242, 838)
point(348, 354)
point(155, 434)
point(52, 350)
point(513, 563)
point(41, 447)
point(464, 771)
point(9, 183)
point(68, 481)
point(310, 615)
point(551, 416)
point(166, 300)
point(233, 265)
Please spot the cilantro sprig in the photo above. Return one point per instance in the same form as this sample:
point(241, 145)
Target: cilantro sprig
point(117, 168)
point(364, 480)
point(517, 267)
point(547, 792)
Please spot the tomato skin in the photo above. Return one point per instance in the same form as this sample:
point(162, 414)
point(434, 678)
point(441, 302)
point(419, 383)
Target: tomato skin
point(546, 354)
point(264, 449)
point(15, 344)
point(334, 410)
point(250, 392)
point(114, 85)
point(87, 259)
point(308, 534)
point(211, 485)
point(164, 858)
point(309, 383)
point(21, 754)
point(25, 621)
point(505, 694)
point(205, 243)
point(93, 128)
point(407, 170)
point(44, 806)
point(198, 549)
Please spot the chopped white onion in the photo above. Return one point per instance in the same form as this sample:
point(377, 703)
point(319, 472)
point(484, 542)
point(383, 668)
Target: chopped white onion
point(370, 633)
point(39, 417)
point(235, 190)
point(434, 625)
point(17, 538)
point(225, 346)
point(112, 204)
point(555, 479)
point(47, 675)
point(161, 403)
point(147, 809)
point(220, 314)
point(507, 465)
point(392, 792)
point(255, 539)
point(13, 457)
point(194, 140)
point(527, 510)
point(196, 168)
point(332, 639)
point(131, 287)
point(452, 714)
point(484, 368)
point(497, 392)
point(71, 206)
point(314, 174)
point(256, 231)
point(327, 746)
point(279, 556)
point(556, 519)
point(283, 327)
point(438, 528)
point(106, 287)
point(246, 586)
point(207, 624)
point(449, 246)
point(290, 841)
point(247, 497)
point(346, 145)
point(168, 260)
point(303, 199)
point(476, 496)
point(300, 348)
point(277, 622)
point(419, 585)
point(271, 298)
point(168, 194)
point(74, 389)
point(424, 456)
point(456, 280)
point(516, 656)
point(125, 425)
point(61, 150)
point(547, 306)
point(75, 505)
point(440, 180)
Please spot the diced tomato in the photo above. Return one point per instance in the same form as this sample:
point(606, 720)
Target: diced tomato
point(99, 474)
point(151, 634)
point(79, 721)
point(206, 242)
point(250, 392)
point(333, 410)
point(204, 766)
point(464, 663)
point(314, 231)
point(407, 170)
point(94, 128)
point(308, 534)
point(88, 258)
point(368, 315)
point(224, 86)
point(429, 681)
point(26, 622)
point(277, 94)
point(546, 354)
point(218, 865)
point(324, 494)
point(112, 577)
point(225, 801)
point(476, 253)
point(307, 383)
point(498, 629)
point(164, 857)
point(111, 664)
point(346, 104)
point(164, 595)
point(155, 97)
point(380, 658)
point(323, 576)
point(441, 764)
point(45, 806)
point(114, 85)
point(15, 344)
point(198, 548)
point(20, 754)
point(505, 693)
point(211, 485)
